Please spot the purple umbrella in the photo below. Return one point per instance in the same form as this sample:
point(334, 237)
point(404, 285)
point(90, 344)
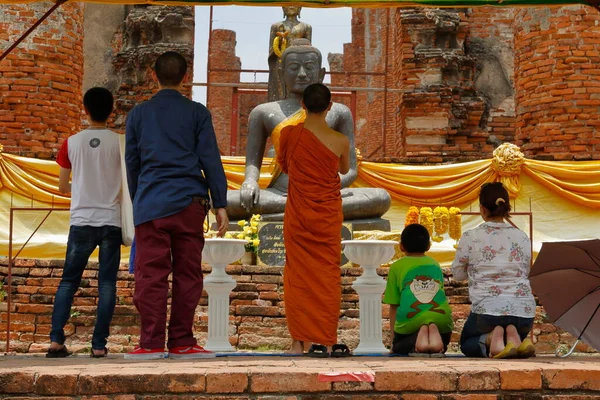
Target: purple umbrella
point(566, 279)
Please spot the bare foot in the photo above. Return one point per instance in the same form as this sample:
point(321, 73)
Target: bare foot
point(297, 347)
point(99, 352)
point(496, 341)
point(512, 335)
point(436, 345)
point(422, 343)
point(55, 346)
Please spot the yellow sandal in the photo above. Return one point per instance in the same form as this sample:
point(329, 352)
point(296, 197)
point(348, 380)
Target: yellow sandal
point(509, 351)
point(526, 349)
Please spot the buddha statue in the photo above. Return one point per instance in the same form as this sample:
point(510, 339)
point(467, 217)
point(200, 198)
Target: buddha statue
point(300, 67)
point(287, 31)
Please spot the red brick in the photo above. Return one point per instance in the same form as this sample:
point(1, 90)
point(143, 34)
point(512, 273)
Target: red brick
point(52, 384)
point(230, 382)
point(477, 380)
point(287, 382)
point(512, 379)
point(17, 382)
point(425, 380)
point(567, 378)
point(419, 397)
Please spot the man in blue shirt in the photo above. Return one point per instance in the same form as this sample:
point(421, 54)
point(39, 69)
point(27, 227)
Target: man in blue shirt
point(173, 166)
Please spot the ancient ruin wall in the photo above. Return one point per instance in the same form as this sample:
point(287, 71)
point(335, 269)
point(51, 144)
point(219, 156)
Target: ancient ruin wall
point(454, 70)
point(41, 79)
point(557, 74)
point(148, 32)
point(222, 57)
point(491, 42)
point(373, 31)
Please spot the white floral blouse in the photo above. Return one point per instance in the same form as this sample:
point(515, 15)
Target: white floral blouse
point(495, 257)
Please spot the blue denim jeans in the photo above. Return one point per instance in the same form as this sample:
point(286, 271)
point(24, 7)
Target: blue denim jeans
point(82, 241)
point(479, 326)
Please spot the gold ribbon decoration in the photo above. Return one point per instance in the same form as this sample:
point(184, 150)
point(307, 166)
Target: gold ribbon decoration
point(507, 161)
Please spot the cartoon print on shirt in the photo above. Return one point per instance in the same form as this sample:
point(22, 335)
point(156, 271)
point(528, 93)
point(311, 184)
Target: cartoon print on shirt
point(424, 288)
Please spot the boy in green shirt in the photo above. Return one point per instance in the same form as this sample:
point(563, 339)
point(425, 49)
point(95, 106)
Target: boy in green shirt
point(420, 317)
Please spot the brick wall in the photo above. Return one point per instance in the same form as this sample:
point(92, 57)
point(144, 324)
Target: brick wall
point(148, 31)
point(373, 31)
point(557, 53)
point(220, 99)
point(247, 102)
point(491, 42)
point(462, 80)
point(41, 79)
point(256, 310)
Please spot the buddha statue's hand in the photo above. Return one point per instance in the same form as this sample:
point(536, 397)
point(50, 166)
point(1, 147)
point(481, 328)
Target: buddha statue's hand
point(347, 179)
point(249, 194)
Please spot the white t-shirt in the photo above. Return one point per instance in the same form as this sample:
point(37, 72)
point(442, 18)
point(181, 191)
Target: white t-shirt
point(496, 257)
point(94, 157)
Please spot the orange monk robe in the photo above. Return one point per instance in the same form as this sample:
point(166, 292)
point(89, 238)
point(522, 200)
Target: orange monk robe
point(297, 118)
point(312, 235)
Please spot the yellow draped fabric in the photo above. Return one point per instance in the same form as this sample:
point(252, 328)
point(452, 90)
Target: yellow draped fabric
point(294, 119)
point(564, 196)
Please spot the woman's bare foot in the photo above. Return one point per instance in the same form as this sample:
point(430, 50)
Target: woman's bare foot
point(297, 347)
point(436, 345)
point(512, 335)
point(422, 343)
point(495, 341)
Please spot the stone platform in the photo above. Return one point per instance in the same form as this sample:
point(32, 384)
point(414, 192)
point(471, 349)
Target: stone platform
point(299, 378)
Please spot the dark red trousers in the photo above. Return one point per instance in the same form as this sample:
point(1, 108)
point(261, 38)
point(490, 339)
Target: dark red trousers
point(165, 245)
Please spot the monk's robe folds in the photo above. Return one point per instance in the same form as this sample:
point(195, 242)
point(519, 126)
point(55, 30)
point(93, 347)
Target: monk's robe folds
point(312, 235)
point(297, 118)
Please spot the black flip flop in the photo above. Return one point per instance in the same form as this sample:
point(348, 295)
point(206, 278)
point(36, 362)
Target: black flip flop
point(93, 355)
point(340, 351)
point(60, 353)
point(317, 351)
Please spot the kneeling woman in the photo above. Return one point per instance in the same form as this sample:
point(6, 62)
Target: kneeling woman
point(495, 257)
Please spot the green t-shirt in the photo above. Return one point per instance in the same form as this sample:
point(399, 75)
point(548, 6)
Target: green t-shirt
point(416, 285)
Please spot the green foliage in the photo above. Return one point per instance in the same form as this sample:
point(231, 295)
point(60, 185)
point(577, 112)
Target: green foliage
point(2, 291)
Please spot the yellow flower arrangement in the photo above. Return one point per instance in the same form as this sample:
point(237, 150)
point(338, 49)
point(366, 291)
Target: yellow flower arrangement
point(426, 219)
point(412, 216)
point(455, 225)
point(249, 232)
point(280, 43)
point(440, 222)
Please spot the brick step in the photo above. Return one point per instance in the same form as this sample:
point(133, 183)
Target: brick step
point(299, 378)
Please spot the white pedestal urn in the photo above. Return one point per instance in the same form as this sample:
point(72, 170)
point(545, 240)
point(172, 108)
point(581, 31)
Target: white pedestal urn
point(369, 254)
point(219, 253)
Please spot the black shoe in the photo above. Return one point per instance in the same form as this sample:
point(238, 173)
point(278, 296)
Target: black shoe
point(60, 353)
point(340, 351)
point(94, 355)
point(317, 351)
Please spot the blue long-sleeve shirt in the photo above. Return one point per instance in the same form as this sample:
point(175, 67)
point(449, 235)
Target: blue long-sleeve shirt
point(171, 155)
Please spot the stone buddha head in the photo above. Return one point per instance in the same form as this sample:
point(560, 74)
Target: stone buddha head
point(300, 66)
point(291, 11)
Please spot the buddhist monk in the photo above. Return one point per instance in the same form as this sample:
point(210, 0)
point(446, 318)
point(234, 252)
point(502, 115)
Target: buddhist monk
point(313, 155)
point(300, 66)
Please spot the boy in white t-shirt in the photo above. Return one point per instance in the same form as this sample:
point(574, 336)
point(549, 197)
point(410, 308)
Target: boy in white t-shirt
point(94, 159)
